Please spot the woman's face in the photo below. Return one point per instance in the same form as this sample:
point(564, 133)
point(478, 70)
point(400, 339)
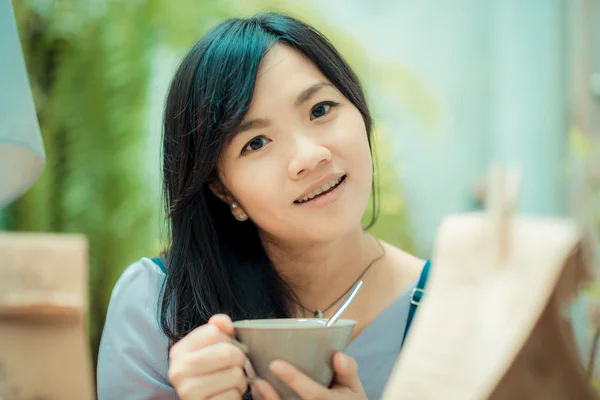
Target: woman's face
point(299, 137)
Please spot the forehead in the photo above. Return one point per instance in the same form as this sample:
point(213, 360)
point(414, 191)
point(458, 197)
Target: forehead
point(285, 71)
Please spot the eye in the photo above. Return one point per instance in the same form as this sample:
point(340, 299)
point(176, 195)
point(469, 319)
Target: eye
point(321, 109)
point(256, 144)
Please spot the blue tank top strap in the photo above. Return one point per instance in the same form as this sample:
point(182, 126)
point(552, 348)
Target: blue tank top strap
point(159, 262)
point(416, 296)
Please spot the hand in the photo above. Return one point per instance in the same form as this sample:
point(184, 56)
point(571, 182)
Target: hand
point(205, 364)
point(346, 385)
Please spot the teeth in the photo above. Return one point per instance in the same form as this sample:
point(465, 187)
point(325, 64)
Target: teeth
point(320, 190)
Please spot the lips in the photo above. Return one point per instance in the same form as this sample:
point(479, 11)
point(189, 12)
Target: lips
point(324, 188)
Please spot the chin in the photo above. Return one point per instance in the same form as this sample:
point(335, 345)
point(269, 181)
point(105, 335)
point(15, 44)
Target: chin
point(332, 226)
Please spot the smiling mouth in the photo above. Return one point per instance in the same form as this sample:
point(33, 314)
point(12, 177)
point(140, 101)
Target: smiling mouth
point(323, 190)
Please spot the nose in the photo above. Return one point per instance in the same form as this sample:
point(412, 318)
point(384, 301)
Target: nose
point(308, 155)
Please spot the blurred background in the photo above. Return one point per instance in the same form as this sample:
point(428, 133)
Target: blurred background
point(453, 84)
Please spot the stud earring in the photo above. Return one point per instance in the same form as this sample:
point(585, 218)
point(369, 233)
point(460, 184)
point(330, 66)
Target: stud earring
point(239, 215)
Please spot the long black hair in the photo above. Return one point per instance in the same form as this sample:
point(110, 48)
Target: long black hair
point(214, 263)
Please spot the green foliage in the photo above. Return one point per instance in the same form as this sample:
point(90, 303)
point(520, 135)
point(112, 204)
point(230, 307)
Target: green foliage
point(89, 71)
point(90, 65)
point(584, 148)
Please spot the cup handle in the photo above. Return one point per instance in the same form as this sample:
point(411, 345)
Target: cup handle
point(251, 376)
point(240, 345)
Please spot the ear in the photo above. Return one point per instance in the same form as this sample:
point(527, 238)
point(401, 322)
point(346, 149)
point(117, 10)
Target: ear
point(220, 191)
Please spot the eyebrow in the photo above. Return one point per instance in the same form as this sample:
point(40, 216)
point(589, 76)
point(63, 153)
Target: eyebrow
point(309, 92)
point(252, 124)
point(302, 98)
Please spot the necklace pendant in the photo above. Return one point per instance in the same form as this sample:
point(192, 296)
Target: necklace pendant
point(318, 314)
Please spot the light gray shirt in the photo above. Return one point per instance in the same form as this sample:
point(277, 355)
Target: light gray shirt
point(133, 356)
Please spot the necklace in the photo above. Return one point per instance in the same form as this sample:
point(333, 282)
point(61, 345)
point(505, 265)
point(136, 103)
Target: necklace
point(319, 313)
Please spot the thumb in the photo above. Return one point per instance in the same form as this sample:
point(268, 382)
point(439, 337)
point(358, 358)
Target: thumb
point(346, 372)
point(223, 322)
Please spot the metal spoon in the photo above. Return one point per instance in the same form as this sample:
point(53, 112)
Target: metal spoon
point(345, 304)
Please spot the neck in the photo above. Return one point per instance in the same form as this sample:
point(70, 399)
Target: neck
point(319, 273)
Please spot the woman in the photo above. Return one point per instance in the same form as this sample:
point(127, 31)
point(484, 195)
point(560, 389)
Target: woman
point(267, 173)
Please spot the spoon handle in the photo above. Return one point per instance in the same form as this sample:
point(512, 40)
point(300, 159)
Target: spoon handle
point(346, 303)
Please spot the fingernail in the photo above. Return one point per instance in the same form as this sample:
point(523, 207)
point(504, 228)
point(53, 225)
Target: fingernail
point(279, 367)
point(344, 361)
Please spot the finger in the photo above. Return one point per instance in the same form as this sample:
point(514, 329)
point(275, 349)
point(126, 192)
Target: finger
point(199, 338)
point(213, 358)
point(223, 322)
point(304, 386)
point(231, 394)
point(203, 387)
point(262, 390)
point(346, 372)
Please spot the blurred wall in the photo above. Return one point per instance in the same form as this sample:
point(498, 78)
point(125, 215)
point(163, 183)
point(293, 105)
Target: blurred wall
point(498, 71)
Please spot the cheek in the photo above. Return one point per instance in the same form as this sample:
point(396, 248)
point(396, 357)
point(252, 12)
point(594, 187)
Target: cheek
point(362, 170)
point(353, 146)
point(256, 188)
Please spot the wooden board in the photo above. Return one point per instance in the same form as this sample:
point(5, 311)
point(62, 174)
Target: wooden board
point(44, 351)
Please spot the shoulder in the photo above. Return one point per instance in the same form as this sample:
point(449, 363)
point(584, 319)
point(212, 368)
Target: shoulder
point(133, 353)
point(137, 292)
point(142, 279)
